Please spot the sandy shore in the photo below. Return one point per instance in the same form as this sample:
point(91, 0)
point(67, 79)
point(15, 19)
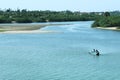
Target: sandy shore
point(20, 27)
point(26, 28)
point(33, 31)
point(108, 28)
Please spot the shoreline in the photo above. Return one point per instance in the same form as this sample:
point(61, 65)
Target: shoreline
point(26, 28)
point(109, 28)
point(27, 32)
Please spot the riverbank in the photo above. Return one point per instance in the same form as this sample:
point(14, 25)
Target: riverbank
point(26, 28)
point(20, 27)
point(108, 28)
point(27, 32)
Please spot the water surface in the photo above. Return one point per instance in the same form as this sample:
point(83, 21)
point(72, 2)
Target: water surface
point(61, 56)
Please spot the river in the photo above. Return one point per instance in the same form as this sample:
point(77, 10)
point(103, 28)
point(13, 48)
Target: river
point(62, 55)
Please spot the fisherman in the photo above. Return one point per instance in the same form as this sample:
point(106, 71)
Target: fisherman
point(94, 50)
point(97, 52)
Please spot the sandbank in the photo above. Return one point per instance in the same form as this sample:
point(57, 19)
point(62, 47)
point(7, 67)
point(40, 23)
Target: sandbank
point(32, 31)
point(26, 28)
point(108, 28)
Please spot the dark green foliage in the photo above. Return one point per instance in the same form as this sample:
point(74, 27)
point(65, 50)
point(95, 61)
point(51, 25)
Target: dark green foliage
point(111, 21)
point(106, 14)
point(25, 16)
point(108, 19)
point(23, 20)
point(4, 20)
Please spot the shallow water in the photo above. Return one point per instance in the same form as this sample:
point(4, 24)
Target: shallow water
point(61, 56)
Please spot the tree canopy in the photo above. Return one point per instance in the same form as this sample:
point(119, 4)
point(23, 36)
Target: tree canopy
point(102, 19)
point(107, 20)
point(26, 16)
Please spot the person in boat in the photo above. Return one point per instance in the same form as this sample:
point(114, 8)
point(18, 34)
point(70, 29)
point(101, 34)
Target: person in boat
point(97, 52)
point(94, 50)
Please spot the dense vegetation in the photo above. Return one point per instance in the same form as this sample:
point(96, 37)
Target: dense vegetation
point(25, 16)
point(108, 19)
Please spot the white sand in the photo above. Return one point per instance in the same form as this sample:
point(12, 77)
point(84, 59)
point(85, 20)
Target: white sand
point(25, 28)
point(33, 31)
point(108, 28)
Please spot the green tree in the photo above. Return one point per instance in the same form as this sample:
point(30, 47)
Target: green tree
point(106, 14)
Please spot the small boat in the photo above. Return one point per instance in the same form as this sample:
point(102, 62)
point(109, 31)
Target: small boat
point(95, 52)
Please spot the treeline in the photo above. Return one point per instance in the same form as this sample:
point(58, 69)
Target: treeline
point(108, 19)
point(102, 19)
point(26, 16)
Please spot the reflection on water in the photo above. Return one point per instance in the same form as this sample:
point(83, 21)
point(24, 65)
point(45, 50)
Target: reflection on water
point(61, 56)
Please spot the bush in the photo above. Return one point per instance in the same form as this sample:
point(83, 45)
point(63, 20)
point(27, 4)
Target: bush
point(111, 21)
point(23, 20)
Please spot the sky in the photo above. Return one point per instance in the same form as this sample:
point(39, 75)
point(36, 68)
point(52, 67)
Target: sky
point(61, 5)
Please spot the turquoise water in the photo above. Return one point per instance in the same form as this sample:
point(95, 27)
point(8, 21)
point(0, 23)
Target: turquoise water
point(61, 56)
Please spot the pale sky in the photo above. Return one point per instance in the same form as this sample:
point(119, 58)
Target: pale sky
point(60, 5)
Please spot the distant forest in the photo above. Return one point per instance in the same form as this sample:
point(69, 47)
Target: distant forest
point(26, 16)
point(108, 19)
point(104, 19)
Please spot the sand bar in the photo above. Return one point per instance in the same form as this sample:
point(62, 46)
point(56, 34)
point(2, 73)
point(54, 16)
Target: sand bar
point(26, 28)
point(24, 32)
point(108, 28)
